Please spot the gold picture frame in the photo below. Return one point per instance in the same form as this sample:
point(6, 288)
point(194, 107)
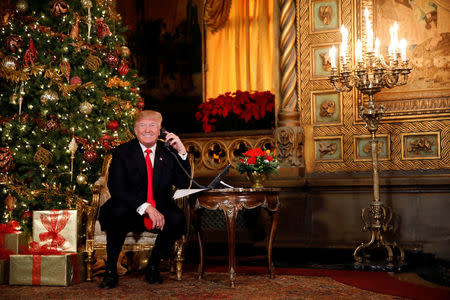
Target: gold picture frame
point(326, 108)
point(325, 16)
point(320, 60)
point(421, 145)
point(361, 147)
point(328, 149)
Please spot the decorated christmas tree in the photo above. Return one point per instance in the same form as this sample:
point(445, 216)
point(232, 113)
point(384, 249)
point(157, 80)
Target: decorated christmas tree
point(67, 97)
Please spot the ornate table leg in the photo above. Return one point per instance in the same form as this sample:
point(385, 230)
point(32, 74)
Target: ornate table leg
point(199, 236)
point(230, 212)
point(273, 229)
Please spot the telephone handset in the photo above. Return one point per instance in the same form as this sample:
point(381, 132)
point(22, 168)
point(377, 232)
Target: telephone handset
point(162, 136)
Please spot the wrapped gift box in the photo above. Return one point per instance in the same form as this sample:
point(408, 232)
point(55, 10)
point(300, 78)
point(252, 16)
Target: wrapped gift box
point(56, 228)
point(54, 270)
point(3, 271)
point(14, 241)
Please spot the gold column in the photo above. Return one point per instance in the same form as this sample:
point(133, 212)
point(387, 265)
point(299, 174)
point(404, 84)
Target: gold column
point(289, 135)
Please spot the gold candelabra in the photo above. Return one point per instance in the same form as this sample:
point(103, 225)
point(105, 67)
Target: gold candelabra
point(371, 74)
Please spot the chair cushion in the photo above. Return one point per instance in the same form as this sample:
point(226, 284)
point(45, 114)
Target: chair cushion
point(132, 237)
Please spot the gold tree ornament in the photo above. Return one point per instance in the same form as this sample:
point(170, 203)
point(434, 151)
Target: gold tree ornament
point(58, 8)
point(10, 203)
point(43, 156)
point(73, 146)
point(86, 108)
point(93, 62)
point(81, 179)
point(6, 160)
point(64, 66)
point(9, 62)
point(13, 99)
point(86, 4)
point(21, 6)
point(125, 51)
point(75, 28)
point(49, 96)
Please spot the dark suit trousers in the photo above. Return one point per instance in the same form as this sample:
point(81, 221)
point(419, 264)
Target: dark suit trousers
point(174, 228)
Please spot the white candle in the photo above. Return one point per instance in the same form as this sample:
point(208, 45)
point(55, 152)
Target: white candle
point(369, 31)
point(332, 53)
point(358, 51)
point(403, 49)
point(343, 49)
point(377, 47)
point(394, 40)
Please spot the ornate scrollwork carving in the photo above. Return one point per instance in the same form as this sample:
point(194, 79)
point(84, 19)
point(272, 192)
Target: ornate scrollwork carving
point(215, 155)
point(289, 143)
point(237, 148)
point(421, 144)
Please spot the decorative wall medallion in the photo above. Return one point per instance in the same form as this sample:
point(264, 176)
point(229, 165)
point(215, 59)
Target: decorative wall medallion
point(215, 155)
point(362, 150)
point(421, 145)
point(326, 108)
point(321, 63)
point(324, 15)
point(236, 149)
point(328, 149)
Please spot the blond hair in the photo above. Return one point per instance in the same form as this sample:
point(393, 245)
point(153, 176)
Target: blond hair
point(148, 114)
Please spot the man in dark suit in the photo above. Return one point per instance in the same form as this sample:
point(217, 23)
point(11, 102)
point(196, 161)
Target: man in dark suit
point(140, 180)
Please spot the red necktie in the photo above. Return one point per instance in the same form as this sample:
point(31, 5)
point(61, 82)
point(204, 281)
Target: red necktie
point(147, 221)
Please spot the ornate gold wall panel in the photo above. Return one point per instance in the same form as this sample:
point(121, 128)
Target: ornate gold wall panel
point(408, 113)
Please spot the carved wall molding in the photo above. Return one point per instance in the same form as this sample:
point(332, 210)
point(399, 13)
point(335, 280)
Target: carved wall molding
point(212, 153)
point(289, 142)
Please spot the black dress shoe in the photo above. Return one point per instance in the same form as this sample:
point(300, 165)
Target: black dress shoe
point(152, 274)
point(110, 280)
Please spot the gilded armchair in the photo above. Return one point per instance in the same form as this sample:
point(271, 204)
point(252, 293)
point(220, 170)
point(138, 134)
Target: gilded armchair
point(136, 242)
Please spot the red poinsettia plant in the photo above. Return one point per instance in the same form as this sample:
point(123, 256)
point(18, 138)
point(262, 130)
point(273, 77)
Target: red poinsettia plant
point(259, 161)
point(243, 105)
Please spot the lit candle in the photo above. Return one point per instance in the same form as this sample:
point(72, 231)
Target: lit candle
point(343, 49)
point(332, 53)
point(358, 51)
point(393, 30)
point(377, 47)
point(403, 49)
point(369, 31)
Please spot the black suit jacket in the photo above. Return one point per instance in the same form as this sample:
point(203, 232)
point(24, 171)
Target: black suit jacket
point(127, 181)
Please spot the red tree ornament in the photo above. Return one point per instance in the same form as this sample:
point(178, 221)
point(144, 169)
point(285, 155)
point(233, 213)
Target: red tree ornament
point(75, 80)
point(90, 155)
point(141, 105)
point(123, 69)
point(6, 160)
point(102, 28)
point(113, 125)
point(30, 55)
point(111, 59)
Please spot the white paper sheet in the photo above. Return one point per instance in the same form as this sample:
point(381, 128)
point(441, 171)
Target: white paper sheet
point(186, 192)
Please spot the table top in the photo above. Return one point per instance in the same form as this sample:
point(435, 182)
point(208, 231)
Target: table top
point(239, 197)
point(243, 190)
